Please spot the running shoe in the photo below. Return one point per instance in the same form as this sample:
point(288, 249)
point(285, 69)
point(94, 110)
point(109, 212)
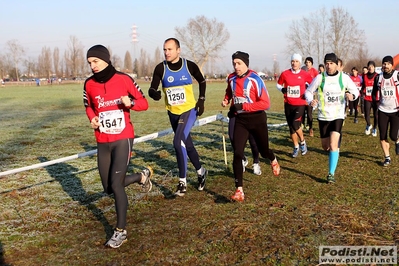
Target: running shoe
point(295, 152)
point(181, 189)
point(201, 180)
point(397, 148)
point(368, 130)
point(275, 167)
point(117, 239)
point(238, 196)
point(304, 148)
point(330, 178)
point(147, 184)
point(355, 121)
point(374, 132)
point(256, 168)
point(244, 164)
point(387, 161)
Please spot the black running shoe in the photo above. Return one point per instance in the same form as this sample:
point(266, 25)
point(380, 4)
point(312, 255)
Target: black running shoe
point(330, 178)
point(201, 180)
point(147, 184)
point(181, 189)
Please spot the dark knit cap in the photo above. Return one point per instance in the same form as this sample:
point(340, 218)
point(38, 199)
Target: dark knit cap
point(388, 59)
point(241, 55)
point(310, 59)
point(371, 63)
point(99, 51)
point(331, 57)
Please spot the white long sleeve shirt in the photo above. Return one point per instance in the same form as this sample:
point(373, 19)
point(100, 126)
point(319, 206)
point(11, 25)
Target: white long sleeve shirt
point(331, 94)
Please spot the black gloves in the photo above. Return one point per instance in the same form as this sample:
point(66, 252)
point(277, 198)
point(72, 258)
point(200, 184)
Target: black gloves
point(284, 90)
point(199, 107)
point(155, 94)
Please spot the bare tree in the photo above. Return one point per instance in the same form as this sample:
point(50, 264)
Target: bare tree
point(136, 67)
point(344, 36)
point(203, 39)
point(322, 32)
point(116, 61)
point(16, 50)
point(320, 24)
point(157, 56)
point(144, 64)
point(66, 70)
point(56, 61)
point(74, 57)
point(2, 66)
point(44, 63)
point(30, 67)
point(127, 63)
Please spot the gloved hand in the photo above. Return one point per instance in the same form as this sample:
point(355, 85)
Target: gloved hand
point(155, 94)
point(284, 90)
point(230, 114)
point(199, 107)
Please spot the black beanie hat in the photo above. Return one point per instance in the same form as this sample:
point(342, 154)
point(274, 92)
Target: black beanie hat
point(388, 59)
point(331, 57)
point(309, 59)
point(241, 55)
point(371, 63)
point(99, 51)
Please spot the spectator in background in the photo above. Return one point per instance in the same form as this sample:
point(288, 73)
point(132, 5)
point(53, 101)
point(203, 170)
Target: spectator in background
point(364, 71)
point(341, 68)
point(321, 68)
point(354, 104)
point(309, 109)
point(367, 89)
point(361, 101)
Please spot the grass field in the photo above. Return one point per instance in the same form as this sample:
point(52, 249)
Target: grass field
point(58, 215)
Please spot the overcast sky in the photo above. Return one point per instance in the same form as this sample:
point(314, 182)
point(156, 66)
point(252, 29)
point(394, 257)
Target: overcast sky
point(257, 27)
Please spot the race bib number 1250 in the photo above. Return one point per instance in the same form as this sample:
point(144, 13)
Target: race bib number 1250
point(176, 96)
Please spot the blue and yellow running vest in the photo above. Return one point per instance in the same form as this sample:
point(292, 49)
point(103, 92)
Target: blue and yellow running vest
point(178, 89)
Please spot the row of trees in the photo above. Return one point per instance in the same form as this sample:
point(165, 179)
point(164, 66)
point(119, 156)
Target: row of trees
point(324, 32)
point(72, 63)
point(203, 39)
